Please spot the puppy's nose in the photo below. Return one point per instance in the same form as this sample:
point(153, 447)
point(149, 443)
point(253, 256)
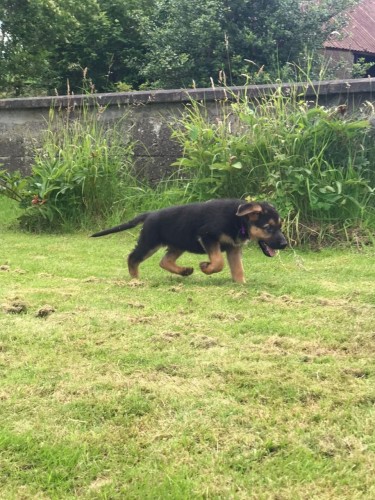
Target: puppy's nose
point(282, 243)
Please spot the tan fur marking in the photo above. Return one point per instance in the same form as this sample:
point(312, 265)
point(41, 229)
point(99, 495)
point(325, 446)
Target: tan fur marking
point(256, 233)
point(133, 271)
point(133, 268)
point(225, 239)
point(216, 263)
point(234, 257)
point(168, 262)
point(254, 217)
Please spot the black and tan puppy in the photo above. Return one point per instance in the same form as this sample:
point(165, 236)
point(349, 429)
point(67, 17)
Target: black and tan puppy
point(208, 228)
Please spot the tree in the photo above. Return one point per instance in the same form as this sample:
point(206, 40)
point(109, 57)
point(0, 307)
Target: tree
point(24, 48)
point(107, 41)
point(44, 43)
point(154, 43)
point(184, 42)
point(196, 39)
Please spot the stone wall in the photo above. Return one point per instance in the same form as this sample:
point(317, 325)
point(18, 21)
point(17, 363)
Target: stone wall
point(148, 117)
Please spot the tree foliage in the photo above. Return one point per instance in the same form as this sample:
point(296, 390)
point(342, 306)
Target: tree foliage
point(153, 43)
point(198, 39)
point(47, 42)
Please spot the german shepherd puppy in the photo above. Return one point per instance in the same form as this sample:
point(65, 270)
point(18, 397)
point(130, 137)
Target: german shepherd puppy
point(208, 228)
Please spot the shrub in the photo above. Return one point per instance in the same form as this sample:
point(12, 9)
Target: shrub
point(316, 164)
point(79, 174)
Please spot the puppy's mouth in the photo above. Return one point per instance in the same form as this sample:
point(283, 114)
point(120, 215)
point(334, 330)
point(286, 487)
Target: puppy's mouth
point(267, 250)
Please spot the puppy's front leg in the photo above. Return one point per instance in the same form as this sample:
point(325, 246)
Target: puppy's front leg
point(234, 257)
point(216, 263)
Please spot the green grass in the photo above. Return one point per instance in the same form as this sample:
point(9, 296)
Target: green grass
point(184, 388)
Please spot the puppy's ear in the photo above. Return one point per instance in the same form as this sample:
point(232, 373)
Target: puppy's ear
point(252, 209)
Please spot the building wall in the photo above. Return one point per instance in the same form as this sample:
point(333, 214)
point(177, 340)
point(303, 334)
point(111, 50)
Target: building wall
point(147, 117)
point(341, 61)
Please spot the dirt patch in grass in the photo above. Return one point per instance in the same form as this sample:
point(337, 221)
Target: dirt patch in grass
point(134, 283)
point(203, 342)
point(281, 300)
point(167, 337)
point(227, 317)
point(14, 306)
point(45, 311)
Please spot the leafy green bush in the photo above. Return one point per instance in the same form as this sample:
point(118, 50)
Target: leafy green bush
point(79, 175)
point(314, 163)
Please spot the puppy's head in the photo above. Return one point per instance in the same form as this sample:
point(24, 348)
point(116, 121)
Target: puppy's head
point(264, 225)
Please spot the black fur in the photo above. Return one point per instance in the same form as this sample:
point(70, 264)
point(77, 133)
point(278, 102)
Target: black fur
point(211, 227)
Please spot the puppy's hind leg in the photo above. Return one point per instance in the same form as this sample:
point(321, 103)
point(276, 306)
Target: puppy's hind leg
point(168, 262)
point(146, 246)
point(136, 257)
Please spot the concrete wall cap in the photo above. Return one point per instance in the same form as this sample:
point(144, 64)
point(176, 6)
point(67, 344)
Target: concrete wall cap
point(329, 87)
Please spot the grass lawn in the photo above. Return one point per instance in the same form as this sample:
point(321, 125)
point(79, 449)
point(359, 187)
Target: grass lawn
point(184, 387)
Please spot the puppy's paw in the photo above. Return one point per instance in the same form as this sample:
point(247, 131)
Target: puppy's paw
point(187, 271)
point(204, 267)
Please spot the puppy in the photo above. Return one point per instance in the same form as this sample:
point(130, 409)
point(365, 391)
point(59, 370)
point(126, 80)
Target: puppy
point(208, 228)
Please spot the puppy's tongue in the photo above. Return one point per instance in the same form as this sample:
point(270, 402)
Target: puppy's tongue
point(268, 251)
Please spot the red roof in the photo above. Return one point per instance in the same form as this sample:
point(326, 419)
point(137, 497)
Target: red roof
point(359, 34)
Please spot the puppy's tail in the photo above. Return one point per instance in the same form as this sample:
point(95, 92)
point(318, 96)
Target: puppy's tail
point(122, 227)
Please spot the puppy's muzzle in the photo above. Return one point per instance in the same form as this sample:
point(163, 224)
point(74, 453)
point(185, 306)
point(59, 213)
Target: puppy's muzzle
point(277, 243)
